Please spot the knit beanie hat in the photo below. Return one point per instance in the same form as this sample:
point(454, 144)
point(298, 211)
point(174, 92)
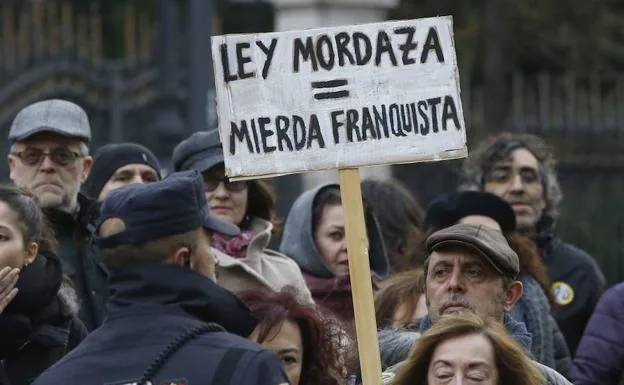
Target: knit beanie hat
point(108, 159)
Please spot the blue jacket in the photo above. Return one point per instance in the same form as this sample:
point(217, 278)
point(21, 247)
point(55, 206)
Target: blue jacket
point(600, 355)
point(149, 308)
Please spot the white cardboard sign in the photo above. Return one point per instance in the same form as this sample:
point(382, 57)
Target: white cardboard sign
point(338, 97)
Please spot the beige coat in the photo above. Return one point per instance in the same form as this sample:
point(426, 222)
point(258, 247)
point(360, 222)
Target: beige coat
point(261, 268)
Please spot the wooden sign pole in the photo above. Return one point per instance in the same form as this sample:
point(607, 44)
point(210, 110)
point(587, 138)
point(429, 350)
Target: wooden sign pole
point(359, 271)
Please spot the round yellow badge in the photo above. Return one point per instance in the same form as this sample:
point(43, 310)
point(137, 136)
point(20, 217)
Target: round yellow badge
point(562, 292)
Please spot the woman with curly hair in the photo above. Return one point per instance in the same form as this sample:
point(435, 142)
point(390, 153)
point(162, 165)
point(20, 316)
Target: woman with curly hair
point(309, 342)
point(467, 349)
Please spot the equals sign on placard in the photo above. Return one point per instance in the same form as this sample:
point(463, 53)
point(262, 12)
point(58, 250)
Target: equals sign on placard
point(330, 89)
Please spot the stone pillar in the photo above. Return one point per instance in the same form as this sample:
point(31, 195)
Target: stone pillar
point(308, 14)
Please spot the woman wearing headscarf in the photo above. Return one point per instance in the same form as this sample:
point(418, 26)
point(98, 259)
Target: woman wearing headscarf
point(314, 236)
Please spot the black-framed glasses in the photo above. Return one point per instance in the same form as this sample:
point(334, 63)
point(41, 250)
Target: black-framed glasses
point(211, 184)
point(34, 156)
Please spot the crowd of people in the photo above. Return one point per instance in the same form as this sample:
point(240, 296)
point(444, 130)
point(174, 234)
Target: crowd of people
point(113, 273)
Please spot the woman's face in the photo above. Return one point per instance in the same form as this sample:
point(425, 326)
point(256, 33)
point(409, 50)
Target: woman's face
point(226, 202)
point(12, 251)
point(410, 321)
point(331, 241)
point(287, 344)
point(463, 360)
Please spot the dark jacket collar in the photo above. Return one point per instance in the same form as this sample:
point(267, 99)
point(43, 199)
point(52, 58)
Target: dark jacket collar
point(85, 219)
point(174, 286)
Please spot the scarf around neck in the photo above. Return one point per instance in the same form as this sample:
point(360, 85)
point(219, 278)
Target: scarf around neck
point(236, 246)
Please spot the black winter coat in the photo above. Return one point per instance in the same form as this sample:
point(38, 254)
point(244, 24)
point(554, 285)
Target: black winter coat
point(149, 308)
point(40, 325)
point(81, 261)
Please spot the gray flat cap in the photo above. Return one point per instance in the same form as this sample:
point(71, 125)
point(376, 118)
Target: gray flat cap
point(201, 151)
point(56, 115)
point(485, 241)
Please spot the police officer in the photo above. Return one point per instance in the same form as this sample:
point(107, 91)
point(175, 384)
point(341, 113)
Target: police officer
point(166, 322)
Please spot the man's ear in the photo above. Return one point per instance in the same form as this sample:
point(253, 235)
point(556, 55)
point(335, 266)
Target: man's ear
point(11, 162)
point(87, 162)
point(181, 257)
point(513, 294)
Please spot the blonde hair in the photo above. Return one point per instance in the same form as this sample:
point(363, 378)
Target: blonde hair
point(514, 366)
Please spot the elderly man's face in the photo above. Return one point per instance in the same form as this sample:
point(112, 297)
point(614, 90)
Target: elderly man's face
point(52, 167)
point(459, 281)
point(518, 180)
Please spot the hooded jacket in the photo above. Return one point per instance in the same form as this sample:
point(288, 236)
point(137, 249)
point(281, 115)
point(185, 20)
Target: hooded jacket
point(152, 306)
point(298, 238)
point(40, 325)
point(298, 243)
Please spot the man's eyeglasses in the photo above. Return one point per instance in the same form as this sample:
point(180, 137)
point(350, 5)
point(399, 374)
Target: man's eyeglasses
point(211, 184)
point(61, 156)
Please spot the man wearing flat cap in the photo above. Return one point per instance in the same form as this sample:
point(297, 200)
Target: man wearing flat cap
point(471, 268)
point(548, 346)
point(49, 156)
point(167, 324)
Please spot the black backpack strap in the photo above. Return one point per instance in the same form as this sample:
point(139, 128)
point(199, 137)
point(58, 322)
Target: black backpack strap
point(174, 346)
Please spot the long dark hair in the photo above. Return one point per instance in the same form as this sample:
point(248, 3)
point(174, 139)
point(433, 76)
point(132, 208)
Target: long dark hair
point(31, 221)
point(323, 358)
point(261, 203)
point(401, 219)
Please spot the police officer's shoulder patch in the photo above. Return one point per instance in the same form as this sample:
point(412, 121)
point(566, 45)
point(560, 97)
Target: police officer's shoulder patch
point(563, 293)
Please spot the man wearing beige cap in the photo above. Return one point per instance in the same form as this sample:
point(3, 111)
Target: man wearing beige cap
point(471, 268)
point(49, 156)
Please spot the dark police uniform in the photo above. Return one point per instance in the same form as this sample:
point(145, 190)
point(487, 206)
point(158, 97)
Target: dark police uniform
point(155, 311)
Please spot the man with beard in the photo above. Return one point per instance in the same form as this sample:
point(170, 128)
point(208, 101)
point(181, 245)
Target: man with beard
point(472, 268)
point(520, 168)
point(49, 156)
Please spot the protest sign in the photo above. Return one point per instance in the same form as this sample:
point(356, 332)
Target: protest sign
point(338, 97)
point(341, 98)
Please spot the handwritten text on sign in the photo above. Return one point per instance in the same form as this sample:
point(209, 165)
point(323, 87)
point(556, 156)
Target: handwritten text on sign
point(338, 97)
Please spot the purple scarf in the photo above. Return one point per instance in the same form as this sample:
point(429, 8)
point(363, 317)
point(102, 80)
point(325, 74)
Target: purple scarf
point(234, 247)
